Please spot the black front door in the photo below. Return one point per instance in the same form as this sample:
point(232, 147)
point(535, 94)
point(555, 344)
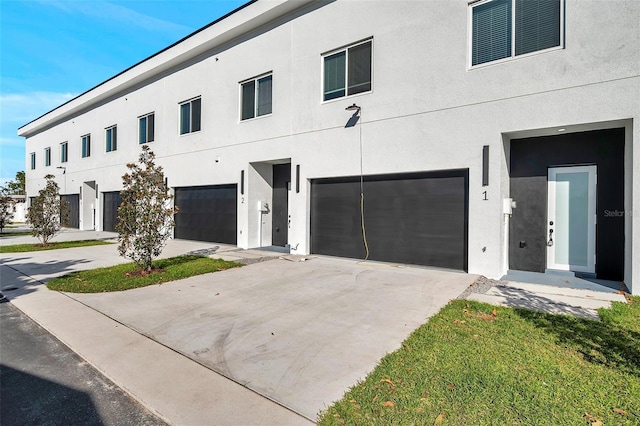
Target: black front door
point(280, 221)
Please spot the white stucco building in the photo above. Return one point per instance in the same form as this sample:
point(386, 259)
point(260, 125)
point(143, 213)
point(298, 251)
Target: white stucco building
point(457, 107)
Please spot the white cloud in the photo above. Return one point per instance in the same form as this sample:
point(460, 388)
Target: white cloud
point(17, 109)
point(20, 108)
point(113, 12)
point(7, 141)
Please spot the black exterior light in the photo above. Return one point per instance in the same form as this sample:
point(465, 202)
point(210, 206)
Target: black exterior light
point(355, 117)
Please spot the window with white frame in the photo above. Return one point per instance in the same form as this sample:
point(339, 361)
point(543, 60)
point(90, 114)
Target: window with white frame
point(86, 146)
point(507, 28)
point(33, 160)
point(111, 138)
point(347, 71)
point(256, 97)
point(190, 112)
point(47, 156)
point(146, 128)
point(64, 152)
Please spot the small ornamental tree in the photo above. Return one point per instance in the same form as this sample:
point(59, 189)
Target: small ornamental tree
point(145, 216)
point(7, 209)
point(47, 213)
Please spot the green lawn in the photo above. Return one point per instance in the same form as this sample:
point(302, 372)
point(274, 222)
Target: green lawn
point(477, 364)
point(119, 277)
point(21, 248)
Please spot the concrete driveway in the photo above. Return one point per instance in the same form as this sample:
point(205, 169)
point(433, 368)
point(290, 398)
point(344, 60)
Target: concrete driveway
point(298, 333)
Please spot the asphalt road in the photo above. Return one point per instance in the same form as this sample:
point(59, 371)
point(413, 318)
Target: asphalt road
point(43, 382)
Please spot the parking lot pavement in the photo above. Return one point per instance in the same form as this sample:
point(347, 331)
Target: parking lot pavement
point(42, 381)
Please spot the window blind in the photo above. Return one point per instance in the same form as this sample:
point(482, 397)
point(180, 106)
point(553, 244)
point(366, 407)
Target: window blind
point(248, 99)
point(491, 38)
point(359, 69)
point(264, 95)
point(334, 76)
point(537, 25)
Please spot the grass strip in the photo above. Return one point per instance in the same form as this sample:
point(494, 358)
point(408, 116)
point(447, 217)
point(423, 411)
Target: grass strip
point(120, 277)
point(21, 248)
point(477, 364)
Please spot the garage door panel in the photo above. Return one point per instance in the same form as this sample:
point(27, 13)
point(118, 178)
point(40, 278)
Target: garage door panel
point(207, 213)
point(410, 218)
point(336, 215)
point(111, 202)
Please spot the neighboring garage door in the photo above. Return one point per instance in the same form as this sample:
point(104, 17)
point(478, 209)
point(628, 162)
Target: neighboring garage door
point(73, 204)
point(207, 213)
point(111, 201)
point(417, 218)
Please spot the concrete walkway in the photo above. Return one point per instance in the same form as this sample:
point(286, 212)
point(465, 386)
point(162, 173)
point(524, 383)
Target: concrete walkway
point(273, 342)
point(579, 302)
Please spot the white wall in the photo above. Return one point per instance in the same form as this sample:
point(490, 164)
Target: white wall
point(427, 109)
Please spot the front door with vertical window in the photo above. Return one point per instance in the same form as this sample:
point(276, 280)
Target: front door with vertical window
point(571, 218)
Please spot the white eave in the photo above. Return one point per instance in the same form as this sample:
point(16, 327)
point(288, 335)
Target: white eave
point(249, 17)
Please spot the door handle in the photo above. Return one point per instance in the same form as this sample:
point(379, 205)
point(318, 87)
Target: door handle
point(550, 242)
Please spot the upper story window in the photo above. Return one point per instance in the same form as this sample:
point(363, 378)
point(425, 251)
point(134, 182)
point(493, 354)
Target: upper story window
point(146, 128)
point(507, 28)
point(190, 116)
point(347, 71)
point(33, 160)
point(47, 156)
point(86, 146)
point(111, 138)
point(256, 97)
point(64, 152)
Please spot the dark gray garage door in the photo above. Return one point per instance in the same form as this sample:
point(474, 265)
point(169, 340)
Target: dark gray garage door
point(419, 218)
point(207, 213)
point(111, 202)
point(73, 204)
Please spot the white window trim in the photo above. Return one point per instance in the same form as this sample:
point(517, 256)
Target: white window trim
point(32, 160)
point(47, 153)
point(154, 130)
point(180, 117)
point(255, 97)
point(88, 135)
point(62, 149)
point(513, 56)
point(345, 48)
point(112, 139)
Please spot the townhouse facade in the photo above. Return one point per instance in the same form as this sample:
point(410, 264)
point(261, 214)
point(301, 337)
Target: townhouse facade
point(480, 136)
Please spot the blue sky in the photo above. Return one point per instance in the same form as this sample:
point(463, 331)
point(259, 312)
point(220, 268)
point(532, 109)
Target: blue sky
point(53, 50)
